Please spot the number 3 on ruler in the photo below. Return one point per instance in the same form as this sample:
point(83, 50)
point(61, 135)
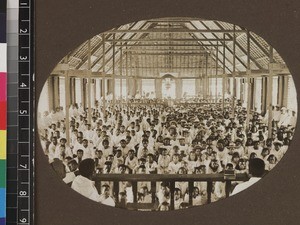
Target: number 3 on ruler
point(23, 58)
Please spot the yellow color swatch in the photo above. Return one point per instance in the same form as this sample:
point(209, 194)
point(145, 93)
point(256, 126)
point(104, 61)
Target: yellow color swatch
point(2, 144)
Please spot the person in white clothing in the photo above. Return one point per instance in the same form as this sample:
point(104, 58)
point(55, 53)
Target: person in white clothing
point(83, 183)
point(256, 171)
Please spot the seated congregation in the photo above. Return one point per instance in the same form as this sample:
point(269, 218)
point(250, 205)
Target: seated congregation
point(158, 139)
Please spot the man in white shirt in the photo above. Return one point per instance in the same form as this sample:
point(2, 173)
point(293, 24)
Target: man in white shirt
point(256, 170)
point(83, 183)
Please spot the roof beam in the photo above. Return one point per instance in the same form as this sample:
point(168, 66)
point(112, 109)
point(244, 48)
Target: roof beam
point(278, 69)
point(170, 54)
point(166, 50)
point(167, 45)
point(259, 45)
point(219, 60)
point(241, 47)
point(110, 48)
point(174, 39)
point(174, 30)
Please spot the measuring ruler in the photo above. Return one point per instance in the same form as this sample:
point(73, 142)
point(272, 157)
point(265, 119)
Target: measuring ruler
point(20, 113)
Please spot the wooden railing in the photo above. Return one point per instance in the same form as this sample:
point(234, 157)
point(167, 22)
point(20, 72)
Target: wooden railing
point(171, 179)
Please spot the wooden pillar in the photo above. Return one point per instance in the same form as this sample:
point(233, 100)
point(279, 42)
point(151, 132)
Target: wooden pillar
point(280, 90)
point(67, 100)
point(210, 75)
point(198, 86)
point(72, 90)
point(191, 186)
point(253, 97)
point(216, 80)
point(139, 85)
point(158, 88)
point(126, 61)
point(114, 72)
point(82, 91)
point(172, 189)
point(223, 76)
point(89, 83)
point(121, 74)
point(178, 88)
point(270, 91)
point(132, 85)
point(51, 92)
point(285, 90)
point(206, 78)
point(56, 92)
point(264, 94)
point(249, 89)
point(233, 71)
point(103, 76)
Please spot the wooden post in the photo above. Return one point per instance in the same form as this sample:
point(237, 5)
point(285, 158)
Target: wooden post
point(211, 79)
point(254, 93)
point(209, 190)
point(134, 189)
point(51, 93)
point(89, 72)
point(103, 78)
point(285, 90)
point(216, 84)
point(270, 92)
point(223, 77)
point(126, 61)
point(264, 94)
point(203, 78)
point(82, 92)
point(172, 188)
point(280, 90)
point(191, 186)
point(116, 191)
point(227, 188)
point(67, 100)
point(56, 92)
point(206, 78)
point(121, 75)
point(248, 81)
point(233, 72)
point(114, 72)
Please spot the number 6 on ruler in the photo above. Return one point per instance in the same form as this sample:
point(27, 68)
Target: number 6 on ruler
point(24, 220)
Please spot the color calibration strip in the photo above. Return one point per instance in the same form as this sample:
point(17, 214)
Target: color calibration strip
point(12, 110)
point(3, 76)
point(20, 113)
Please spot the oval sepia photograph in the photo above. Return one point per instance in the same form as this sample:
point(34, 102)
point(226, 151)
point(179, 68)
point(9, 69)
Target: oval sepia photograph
point(167, 114)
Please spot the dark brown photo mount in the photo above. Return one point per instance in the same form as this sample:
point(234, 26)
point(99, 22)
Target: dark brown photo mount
point(63, 25)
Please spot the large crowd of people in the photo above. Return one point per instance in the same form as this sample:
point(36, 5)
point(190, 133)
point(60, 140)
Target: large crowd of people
point(199, 138)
